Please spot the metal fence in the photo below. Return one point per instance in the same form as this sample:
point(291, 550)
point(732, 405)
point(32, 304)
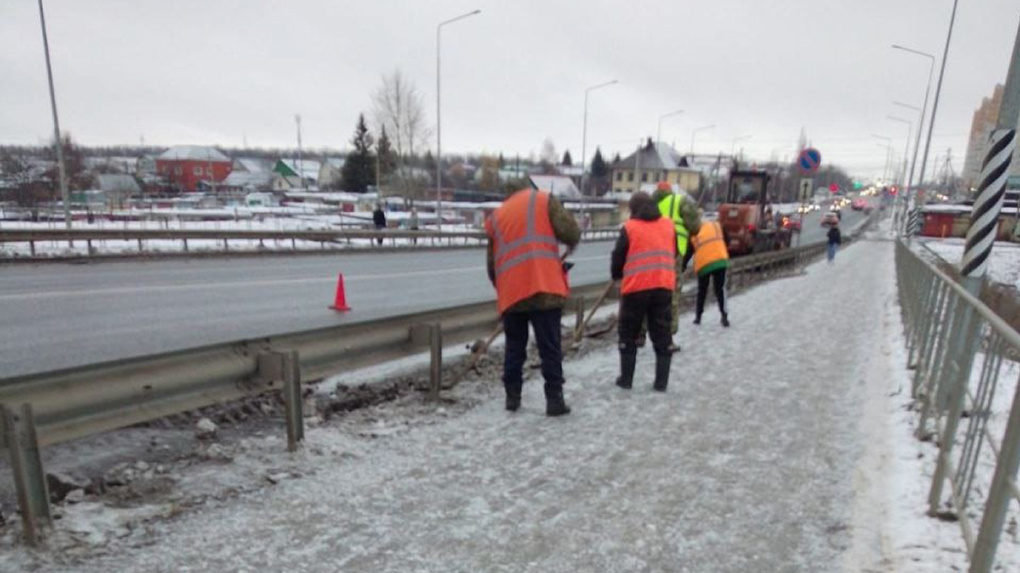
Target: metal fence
point(359, 238)
point(965, 382)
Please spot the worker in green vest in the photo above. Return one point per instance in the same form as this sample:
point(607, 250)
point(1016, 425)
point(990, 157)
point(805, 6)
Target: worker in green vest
point(683, 211)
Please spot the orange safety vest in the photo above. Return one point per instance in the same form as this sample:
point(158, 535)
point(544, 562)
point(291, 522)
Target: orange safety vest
point(709, 246)
point(526, 251)
point(651, 256)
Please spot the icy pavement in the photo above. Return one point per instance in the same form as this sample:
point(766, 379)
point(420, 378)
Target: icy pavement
point(759, 458)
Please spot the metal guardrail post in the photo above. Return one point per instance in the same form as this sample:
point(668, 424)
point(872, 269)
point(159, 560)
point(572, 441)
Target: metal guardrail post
point(293, 399)
point(999, 495)
point(435, 360)
point(29, 477)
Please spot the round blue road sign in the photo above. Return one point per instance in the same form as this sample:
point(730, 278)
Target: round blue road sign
point(809, 160)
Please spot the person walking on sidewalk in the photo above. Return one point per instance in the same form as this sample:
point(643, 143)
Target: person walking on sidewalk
point(379, 220)
point(835, 238)
point(645, 259)
point(711, 259)
point(412, 222)
point(524, 265)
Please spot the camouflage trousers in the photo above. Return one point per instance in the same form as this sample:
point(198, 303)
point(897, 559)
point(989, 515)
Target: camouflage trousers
point(674, 307)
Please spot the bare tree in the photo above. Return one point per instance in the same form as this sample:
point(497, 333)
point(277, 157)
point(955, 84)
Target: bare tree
point(399, 107)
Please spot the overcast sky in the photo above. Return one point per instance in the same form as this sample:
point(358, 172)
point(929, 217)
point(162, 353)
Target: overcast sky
point(217, 71)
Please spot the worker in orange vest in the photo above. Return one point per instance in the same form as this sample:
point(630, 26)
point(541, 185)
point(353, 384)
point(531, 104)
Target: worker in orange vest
point(711, 259)
point(525, 266)
point(645, 261)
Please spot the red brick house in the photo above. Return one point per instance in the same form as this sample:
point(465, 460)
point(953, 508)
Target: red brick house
point(185, 166)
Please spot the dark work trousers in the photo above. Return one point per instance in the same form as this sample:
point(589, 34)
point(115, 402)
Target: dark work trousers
point(546, 324)
point(653, 305)
point(718, 279)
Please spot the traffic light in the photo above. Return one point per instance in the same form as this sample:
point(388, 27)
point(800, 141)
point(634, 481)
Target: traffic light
point(833, 188)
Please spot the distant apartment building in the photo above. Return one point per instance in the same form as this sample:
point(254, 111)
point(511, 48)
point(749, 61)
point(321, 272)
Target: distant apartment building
point(185, 166)
point(985, 118)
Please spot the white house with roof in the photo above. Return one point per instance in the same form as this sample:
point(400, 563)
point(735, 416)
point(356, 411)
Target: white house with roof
point(560, 186)
point(652, 164)
point(331, 172)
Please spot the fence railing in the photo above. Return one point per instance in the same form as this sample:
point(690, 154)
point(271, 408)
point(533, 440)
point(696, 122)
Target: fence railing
point(53, 407)
point(965, 361)
point(366, 238)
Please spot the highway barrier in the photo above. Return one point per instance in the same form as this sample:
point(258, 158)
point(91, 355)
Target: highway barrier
point(342, 238)
point(962, 353)
point(53, 407)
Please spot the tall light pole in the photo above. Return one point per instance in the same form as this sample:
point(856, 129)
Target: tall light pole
point(906, 145)
point(658, 133)
point(917, 143)
point(439, 125)
point(888, 151)
point(56, 124)
point(923, 110)
point(695, 133)
point(584, 132)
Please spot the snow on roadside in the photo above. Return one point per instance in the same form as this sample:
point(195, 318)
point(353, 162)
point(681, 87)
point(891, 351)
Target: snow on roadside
point(1005, 261)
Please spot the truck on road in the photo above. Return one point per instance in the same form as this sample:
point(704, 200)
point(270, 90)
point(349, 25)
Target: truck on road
point(748, 225)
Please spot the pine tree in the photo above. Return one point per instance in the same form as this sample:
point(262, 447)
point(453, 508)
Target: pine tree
point(568, 161)
point(430, 161)
point(599, 169)
point(616, 158)
point(359, 169)
point(387, 159)
point(501, 162)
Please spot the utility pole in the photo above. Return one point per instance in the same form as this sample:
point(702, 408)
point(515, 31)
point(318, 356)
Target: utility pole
point(62, 170)
point(938, 92)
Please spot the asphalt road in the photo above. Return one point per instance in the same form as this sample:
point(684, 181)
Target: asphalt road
point(60, 316)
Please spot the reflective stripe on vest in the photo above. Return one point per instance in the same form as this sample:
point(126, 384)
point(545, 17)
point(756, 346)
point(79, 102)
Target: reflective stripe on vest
point(651, 256)
point(529, 262)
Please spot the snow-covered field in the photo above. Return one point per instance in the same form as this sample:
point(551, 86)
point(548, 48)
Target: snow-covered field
point(783, 444)
point(1005, 261)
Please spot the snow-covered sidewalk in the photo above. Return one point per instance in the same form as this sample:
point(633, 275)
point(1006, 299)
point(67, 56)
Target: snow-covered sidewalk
point(759, 458)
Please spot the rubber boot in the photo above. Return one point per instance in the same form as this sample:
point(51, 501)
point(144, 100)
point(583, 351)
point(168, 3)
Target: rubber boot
point(725, 321)
point(554, 403)
point(662, 362)
point(697, 319)
point(628, 361)
point(513, 397)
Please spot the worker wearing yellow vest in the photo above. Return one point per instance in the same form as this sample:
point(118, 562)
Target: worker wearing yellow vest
point(711, 259)
point(644, 260)
point(683, 211)
point(524, 265)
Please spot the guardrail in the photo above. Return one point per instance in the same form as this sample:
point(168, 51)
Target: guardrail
point(366, 238)
point(960, 351)
point(53, 407)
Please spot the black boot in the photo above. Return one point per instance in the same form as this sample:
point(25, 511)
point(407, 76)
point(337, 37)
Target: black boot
point(628, 360)
point(662, 362)
point(725, 321)
point(697, 319)
point(513, 397)
point(554, 403)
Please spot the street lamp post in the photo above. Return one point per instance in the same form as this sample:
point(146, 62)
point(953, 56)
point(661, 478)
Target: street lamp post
point(888, 151)
point(923, 110)
point(695, 133)
point(584, 133)
point(906, 151)
point(439, 128)
point(56, 123)
point(658, 133)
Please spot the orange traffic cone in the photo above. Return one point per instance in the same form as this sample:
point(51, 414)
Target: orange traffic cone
point(340, 303)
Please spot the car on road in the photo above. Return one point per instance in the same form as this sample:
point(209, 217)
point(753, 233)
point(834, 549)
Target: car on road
point(830, 218)
point(792, 224)
point(859, 205)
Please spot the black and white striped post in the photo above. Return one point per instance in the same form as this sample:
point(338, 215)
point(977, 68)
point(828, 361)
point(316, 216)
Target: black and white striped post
point(984, 224)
